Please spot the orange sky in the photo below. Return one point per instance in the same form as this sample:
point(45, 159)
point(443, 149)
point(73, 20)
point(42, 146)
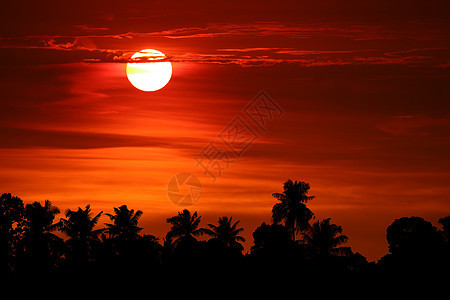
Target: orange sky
point(364, 88)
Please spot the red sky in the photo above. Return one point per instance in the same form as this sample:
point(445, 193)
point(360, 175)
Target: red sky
point(364, 87)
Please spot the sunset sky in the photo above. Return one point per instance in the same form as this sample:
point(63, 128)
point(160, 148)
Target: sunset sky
point(365, 90)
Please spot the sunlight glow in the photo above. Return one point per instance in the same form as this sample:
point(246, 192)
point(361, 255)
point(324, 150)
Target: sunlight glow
point(149, 70)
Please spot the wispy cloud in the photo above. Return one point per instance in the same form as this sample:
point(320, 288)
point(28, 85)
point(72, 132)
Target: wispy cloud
point(33, 138)
point(87, 28)
point(86, 43)
point(409, 125)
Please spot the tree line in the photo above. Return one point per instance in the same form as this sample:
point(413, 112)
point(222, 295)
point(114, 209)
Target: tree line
point(30, 246)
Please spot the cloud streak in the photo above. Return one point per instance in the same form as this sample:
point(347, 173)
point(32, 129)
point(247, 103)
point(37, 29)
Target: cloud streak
point(99, 44)
point(36, 138)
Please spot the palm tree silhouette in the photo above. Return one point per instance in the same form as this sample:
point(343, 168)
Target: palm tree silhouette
point(39, 219)
point(124, 225)
point(184, 226)
point(325, 238)
point(79, 226)
point(226, 233)
point(39, 241)
point(292, 208)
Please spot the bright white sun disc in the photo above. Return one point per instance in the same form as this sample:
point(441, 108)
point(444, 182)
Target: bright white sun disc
point(149, 70)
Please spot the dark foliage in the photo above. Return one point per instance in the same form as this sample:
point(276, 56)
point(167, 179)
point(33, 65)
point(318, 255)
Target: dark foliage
point(31, 246)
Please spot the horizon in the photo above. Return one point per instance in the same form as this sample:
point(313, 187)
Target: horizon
point(160, 231)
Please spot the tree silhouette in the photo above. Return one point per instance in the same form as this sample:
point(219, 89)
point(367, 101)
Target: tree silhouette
point(411, 236)
point(79, 226)
point(274, 252)
point(226, 233)
point(292, 207)
point(31, 247)
point(445, 223)
point(445, 233)
point(41, 246)
point(124, 241)
point(325, 238)
point(415, 246)
point(124, 225)
point(185, 226)
point(168, 244)
point(39, 219)
point(148, 250)
point(11, 214)
point(271, 238)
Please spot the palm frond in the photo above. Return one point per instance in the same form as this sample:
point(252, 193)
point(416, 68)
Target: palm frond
point(209, 231)
point(342, 251)
point(95, 219)
point(339, 240)
point(240, 238)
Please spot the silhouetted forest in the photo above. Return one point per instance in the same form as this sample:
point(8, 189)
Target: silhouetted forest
point(295, 244)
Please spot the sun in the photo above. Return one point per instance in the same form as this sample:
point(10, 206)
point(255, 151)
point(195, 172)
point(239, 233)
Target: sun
point(149, 70)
